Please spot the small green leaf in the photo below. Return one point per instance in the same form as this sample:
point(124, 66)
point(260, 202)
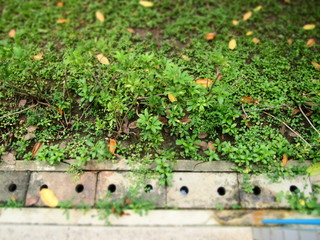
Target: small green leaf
point(314, 169)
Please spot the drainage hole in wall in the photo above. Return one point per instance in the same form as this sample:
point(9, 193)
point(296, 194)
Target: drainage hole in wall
point(221, 191)
point(43, 186)
point(256, 190)
point(184, 190)
point(148, 188)
point(293, 188)
point(79, 188)
point(12, 187)
point(112, 188)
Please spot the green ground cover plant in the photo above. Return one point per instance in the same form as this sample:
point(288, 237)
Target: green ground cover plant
point(203, 80)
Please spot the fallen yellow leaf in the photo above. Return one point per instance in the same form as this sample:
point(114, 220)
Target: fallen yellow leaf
point(255, 40)
point(100, 16)
point(232, 44)
point(247, 15)
point(48, 197)
point(309, 26)
point(235, 22)
point(257, 9)
point(102, 59)
point(311, 42)
point(61, 20)
point(249, 33)
point(210, 36)
point(146, 3)
point(317, 65)
point(112, 146)
point(290, 41)
point(38, 56)
point(205, 82)
point(12, 33)
point(172, 98)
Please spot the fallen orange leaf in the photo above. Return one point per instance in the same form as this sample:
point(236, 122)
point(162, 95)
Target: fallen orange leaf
point(210, 36)
point(211, 147)
point(38, 56)
point(61, 20)
point(317, 65)
point(100, 16)
point(311, 42)
point(131, 30)
point(284, 160)
point(185, 57)
point(246, 99)
point(172, 98)
point(290, 41)
point(255, 40)
point(60, 4)
point(112, 146)
point(205, 82)
point(247, 15)
point(12, 33)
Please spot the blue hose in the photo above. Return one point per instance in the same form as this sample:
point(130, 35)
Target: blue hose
point(292, 221)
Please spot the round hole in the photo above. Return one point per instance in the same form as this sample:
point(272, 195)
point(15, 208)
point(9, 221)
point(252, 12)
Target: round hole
point(148, 188)
point(79, 188)
point(221, 191)
point(256, 190)
point(184, 190)
point(112, 188)
point(43, 186)
point(12, 187)
point(293, 188)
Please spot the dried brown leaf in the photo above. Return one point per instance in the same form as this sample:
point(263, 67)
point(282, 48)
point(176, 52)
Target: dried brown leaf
point(131, 30)
point(203, 135)
point(203, 145)
point(9, 158)
point(163, 119)
point(290, 41)
point(32, 201)
point(133, 125)
point(22, 103)
point(185, 120)
point(255, 40)
point(36, 148)
point(60, 4)
point(31, 128)
point(38, 56)
point(211, 146)
point(29, 136)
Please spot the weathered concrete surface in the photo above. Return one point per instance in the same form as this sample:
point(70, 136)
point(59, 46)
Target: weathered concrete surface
point(196, 166)
point(33, 166)
point(189, 217)
point(203, 190)
point(123, 233)
point(315, 180)
point(65, 186)
point(13, 185)
point(265, 191)
point(118, 185)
